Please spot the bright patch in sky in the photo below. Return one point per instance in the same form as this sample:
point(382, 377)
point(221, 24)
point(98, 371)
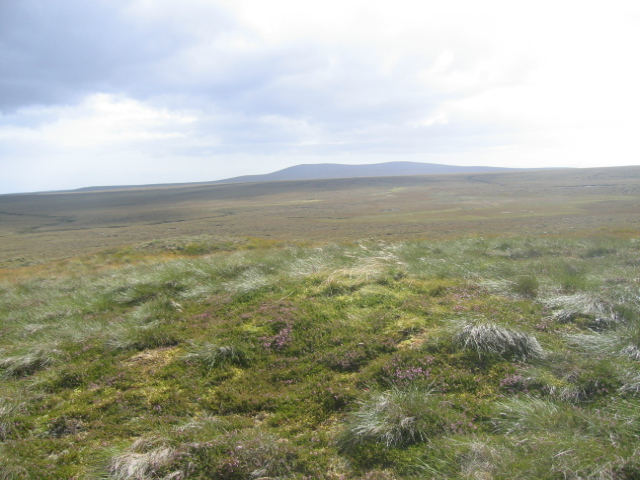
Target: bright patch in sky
point(101, 120)
point(159, 91)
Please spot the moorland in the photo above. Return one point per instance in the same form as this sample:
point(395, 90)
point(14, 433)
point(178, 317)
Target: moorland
point(40, 227)
point(458, 326)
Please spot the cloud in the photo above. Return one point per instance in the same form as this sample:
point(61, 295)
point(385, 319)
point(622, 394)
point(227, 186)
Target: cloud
point(55, 52)
point(61, 51)
point(196, 82)
point(58, 51)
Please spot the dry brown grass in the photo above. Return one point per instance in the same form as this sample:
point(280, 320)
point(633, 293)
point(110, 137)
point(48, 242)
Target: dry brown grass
point(37, 228)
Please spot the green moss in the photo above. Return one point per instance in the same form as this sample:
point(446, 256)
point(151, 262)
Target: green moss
point(290, 353)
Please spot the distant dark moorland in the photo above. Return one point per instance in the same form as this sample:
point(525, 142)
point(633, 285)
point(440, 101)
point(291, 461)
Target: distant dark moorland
point(39, 227)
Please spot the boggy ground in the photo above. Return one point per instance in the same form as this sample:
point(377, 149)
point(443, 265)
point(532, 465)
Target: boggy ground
point(40, 227)
point(494, 358)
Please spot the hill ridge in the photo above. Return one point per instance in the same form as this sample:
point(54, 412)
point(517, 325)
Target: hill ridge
point(317, 171)
point(326, 171)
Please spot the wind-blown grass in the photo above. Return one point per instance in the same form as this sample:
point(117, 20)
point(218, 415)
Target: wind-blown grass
point(212, 356)
point(9, 411)
point(623, 341)
point(354, 361)
point(398, 418)
point(29, 361)
point(485, 338)
point(146, 459)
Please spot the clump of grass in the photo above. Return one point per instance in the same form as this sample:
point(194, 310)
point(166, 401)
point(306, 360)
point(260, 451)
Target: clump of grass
point(140, 292)
point(146, 459)
point(485, 338)
point(397, 418)
point(186, 453)
point(368, 265)
point(599, 314)
point(64, 425)
point(214, 356)
point(617, 422)
point(9, 411)
point(630, 378)
point(142, 337)
point(528, 414)
point(29, 362)
point(624, 341)
point(250, 281)
point(192, 245)
point(478, 459)
point(526, 286)
point(344, 270)
point(9, 470)
point(386, 474)
point(159, 308)
point(571, 277)
point(470, 457)
point(599, 251)
point(248, 454)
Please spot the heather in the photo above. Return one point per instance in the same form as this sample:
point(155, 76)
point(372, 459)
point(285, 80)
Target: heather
point(509, 357)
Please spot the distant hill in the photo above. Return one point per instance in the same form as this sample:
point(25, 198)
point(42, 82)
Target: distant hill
point(337, 170)
point(322, 171)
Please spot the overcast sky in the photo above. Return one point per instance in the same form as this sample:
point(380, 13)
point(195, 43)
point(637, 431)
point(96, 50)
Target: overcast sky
point(106, 92)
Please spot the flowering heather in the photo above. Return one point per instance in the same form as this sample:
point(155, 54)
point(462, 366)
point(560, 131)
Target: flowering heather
point(280, 340)
point(333, 362)
point(401, 372)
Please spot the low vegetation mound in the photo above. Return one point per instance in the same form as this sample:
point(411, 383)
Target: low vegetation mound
point(485, 338)
point(459, 359)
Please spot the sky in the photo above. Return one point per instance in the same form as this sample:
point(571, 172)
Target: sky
point(130, 92)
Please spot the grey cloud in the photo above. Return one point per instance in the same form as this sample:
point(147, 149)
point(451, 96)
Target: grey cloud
point(309, 97)
point(56, 51)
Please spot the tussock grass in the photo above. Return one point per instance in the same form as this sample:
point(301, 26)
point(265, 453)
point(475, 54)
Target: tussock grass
point(623, 341)
point(157, 309)
point(630, 378)
point(354, 361)
point(28, 362)
point(468, 458)
point(248, 453)
point(526, 285)
point(531, 414)
point(213, 356)
point(343, 270)
point(561, 440)
point(142, 337)
point(146, 459)
point(398, 418)
point(617, 422)
point(9, 412)
point(569, 307)
point(248, 281)
point(486, 338)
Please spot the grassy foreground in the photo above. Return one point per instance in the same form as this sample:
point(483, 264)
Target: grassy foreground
point(471, 359)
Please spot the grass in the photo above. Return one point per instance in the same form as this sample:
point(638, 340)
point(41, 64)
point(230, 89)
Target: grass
point(485, 338)
point(214, 356)
point(508, 357)
point(195, 220)
point(398, 418)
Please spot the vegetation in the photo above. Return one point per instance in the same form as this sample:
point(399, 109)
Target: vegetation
point(499, 357)
point(200, 219)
